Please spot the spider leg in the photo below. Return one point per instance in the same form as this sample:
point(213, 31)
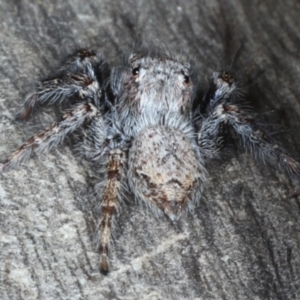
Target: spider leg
point(81, 60)
point(52, 135)
point(78, 77)
point(95, 147)
point(209, 126)
point(219, 112)
point(95, 140)
point(110, 196)
point(257, 142)
point(209, 137)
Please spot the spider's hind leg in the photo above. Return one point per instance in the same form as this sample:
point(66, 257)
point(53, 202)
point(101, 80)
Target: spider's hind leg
point(80, 77)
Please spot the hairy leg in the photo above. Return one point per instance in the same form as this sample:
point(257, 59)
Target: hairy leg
point(80, 61)
point(210, 128)
point(95, 142)
point(210, 139)
point(78, 77)
point(52, 135)
point(219, 112)
point(110, 195)
point(260, 145)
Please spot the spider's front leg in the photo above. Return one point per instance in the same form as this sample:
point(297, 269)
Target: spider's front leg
point(208, 124)
point(79, 78)
point(221, 112)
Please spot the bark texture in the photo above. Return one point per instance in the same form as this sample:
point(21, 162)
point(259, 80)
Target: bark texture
point(240, 242)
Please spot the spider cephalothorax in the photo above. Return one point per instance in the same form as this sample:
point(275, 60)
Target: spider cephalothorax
point(141, 124)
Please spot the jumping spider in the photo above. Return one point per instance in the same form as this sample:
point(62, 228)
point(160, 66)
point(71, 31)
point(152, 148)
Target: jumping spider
point(142, 124)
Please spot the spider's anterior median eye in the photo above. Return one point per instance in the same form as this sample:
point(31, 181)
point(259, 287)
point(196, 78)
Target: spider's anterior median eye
point(136, 71)
point(186, 77)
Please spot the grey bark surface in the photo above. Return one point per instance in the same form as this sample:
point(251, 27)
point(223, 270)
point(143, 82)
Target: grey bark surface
point(240, 242)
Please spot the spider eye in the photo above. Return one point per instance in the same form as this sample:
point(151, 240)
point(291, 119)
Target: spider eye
point(136, 71)
point(228, 77)
point(186, 77)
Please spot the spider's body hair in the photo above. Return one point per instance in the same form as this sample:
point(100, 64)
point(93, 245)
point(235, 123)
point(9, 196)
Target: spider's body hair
point(146, 130)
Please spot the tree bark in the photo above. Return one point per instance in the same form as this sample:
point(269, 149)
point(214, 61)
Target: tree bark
point(241, 241)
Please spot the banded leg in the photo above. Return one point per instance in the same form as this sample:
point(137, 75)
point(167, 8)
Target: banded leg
point(95, 142)
point(260, 145)
point(257, 142)
point(77, 78)
point(210, 128)
point(210, 139)
point(80, 61)
point(218, 111)
point(112, 189)
point(52, 135)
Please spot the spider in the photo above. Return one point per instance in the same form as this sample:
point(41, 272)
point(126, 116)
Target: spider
point(143, 124)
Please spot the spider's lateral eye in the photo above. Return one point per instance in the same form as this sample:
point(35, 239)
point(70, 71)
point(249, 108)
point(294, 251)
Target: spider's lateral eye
point(136, 71)
point(186, 77)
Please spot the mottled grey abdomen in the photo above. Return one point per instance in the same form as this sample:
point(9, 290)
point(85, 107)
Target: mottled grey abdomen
point(164, 169)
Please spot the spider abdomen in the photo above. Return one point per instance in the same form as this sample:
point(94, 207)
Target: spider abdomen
point(164, 169)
